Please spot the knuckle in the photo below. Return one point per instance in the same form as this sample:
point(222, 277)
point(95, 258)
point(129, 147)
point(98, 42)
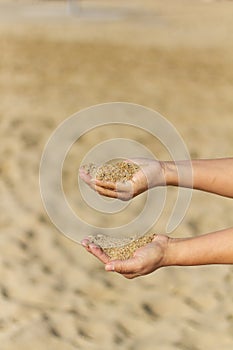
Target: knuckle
point(127, 196)
point(121, 269)
point(129, 277)
point(140, 266)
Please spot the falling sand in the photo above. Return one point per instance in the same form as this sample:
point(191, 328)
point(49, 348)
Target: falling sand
point(117, 171)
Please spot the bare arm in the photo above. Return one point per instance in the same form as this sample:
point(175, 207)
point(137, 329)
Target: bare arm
point(210, 175)
point(211, 248)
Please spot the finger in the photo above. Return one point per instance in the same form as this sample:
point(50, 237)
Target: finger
point(125, 267)
point(84, 176)
point(131, 275)
point(98, 253)
point(104, 184)
point(124, 196)
point(104, 192)
point(134, 160)
point(126, 186)
point(138, 161)
point(86, 243)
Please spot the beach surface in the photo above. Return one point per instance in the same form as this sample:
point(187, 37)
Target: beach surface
point(175, 57)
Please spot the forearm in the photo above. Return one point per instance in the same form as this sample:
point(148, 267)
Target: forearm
point(212, 248)
point(210, 175)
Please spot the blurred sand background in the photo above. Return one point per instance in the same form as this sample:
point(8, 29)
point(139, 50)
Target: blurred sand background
point(173, 56)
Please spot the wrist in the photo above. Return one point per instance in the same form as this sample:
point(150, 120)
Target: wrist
point(172, 253)
point(188, 251)
point(169, 173)
point(178, 173)
point(164, 241)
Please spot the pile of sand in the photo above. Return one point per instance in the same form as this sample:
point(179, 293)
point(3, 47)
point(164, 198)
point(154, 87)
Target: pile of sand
point(112, 171)
point(121, 248)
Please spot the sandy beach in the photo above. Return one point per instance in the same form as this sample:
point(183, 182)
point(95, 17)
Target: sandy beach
point(175, 57)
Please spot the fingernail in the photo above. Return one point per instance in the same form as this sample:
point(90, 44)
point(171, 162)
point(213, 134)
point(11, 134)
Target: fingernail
point(93, 246)
point(85, 244)
point(109, 267)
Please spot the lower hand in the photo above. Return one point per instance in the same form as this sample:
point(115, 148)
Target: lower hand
point(144, 261)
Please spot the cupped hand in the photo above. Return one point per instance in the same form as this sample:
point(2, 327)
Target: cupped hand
point(144, 261)
point(150, 174)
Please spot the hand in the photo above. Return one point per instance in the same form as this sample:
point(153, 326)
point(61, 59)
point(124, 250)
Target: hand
point(145, 260)
point(150, 174)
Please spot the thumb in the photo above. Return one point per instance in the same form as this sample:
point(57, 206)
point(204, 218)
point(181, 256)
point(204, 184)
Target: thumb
point(121, 266)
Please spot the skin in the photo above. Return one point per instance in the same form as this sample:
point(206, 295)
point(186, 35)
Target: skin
point(214, 176)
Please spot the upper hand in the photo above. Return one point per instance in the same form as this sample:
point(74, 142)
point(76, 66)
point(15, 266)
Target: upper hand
point(150, 174)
